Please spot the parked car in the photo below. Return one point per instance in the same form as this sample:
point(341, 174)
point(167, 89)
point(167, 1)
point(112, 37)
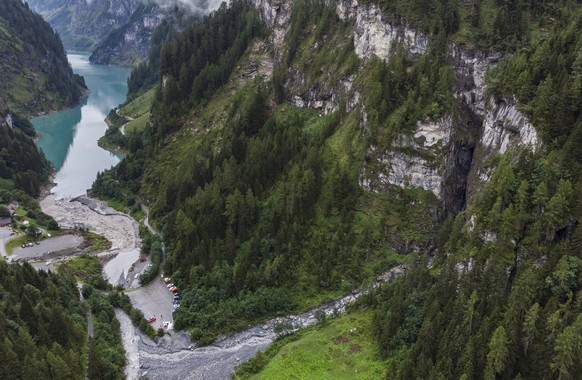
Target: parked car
point(152, 319)
point(174, 289)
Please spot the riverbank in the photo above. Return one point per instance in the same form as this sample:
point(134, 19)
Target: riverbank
point(96, 216)
point(176, 357)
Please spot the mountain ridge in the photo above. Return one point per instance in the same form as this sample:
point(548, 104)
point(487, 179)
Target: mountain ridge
point(344, 140)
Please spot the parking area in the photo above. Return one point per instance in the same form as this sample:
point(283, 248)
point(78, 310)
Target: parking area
point(154, 300)
point(47, 246)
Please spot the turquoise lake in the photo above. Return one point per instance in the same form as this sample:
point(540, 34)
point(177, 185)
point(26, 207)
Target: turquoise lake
point(69, 138)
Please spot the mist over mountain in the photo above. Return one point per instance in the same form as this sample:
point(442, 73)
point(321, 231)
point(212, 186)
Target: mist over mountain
point(119, 31)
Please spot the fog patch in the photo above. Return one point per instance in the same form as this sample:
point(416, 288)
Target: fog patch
point(194, 6)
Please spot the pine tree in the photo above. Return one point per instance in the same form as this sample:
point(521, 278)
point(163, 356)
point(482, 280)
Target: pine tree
point(498, 353)
point(568, 351)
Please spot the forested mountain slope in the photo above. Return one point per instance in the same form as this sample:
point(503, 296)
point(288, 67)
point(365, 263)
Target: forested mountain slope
point(35, 75)
point(116, 32)
point(82, 24)
point(43, 325)
point(22, 166)
point(299, 148)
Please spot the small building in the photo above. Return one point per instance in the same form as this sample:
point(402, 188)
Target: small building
point(5, 222)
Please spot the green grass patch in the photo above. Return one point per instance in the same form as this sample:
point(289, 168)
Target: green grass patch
point(17, 242)
point(20, 211)
point(140, 105)
point(97, 243)
point(343, 348)
point(138, 124)
point(84, 265)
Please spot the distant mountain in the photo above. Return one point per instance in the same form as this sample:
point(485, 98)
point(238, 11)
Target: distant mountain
point(129, 43)
point(118, 32)
point(82, 24)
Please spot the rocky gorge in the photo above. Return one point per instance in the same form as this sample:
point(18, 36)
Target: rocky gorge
point(443, 156)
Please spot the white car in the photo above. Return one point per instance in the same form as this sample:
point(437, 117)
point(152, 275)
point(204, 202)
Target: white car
point(49, 262)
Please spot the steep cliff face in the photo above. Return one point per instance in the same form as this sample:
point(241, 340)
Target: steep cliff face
point(83, 24)
point(129, 43)
point(484, 126)
point(414, 160)
point(438, 155)
point(374, 35)
point(5, 115)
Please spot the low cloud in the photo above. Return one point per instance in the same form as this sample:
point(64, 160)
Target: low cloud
point(194, 6)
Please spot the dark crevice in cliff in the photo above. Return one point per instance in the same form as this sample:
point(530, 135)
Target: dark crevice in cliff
point(460, 160)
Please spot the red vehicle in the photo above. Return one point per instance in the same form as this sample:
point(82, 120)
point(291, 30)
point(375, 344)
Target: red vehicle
point(174, 289)
point(152, 319)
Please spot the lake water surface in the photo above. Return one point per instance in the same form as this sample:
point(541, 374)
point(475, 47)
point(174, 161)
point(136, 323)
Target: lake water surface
point(69, 138)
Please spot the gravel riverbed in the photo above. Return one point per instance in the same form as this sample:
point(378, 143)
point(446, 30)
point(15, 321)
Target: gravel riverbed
point(175, 356)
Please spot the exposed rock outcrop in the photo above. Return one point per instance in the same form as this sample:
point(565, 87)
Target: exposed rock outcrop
point(504, 126)
point(374, 35)
point(412, 160)
point(5, 116)
point(437, 156)
point(83, 24)
point(130, 43)
point(276, 15)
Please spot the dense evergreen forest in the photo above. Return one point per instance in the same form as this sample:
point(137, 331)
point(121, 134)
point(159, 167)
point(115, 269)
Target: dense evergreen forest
point(263, 210)
point(22, 166)
point(43, 325)
point(35, 74)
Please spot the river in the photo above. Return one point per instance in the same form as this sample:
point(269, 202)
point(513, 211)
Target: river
point(69, 138)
